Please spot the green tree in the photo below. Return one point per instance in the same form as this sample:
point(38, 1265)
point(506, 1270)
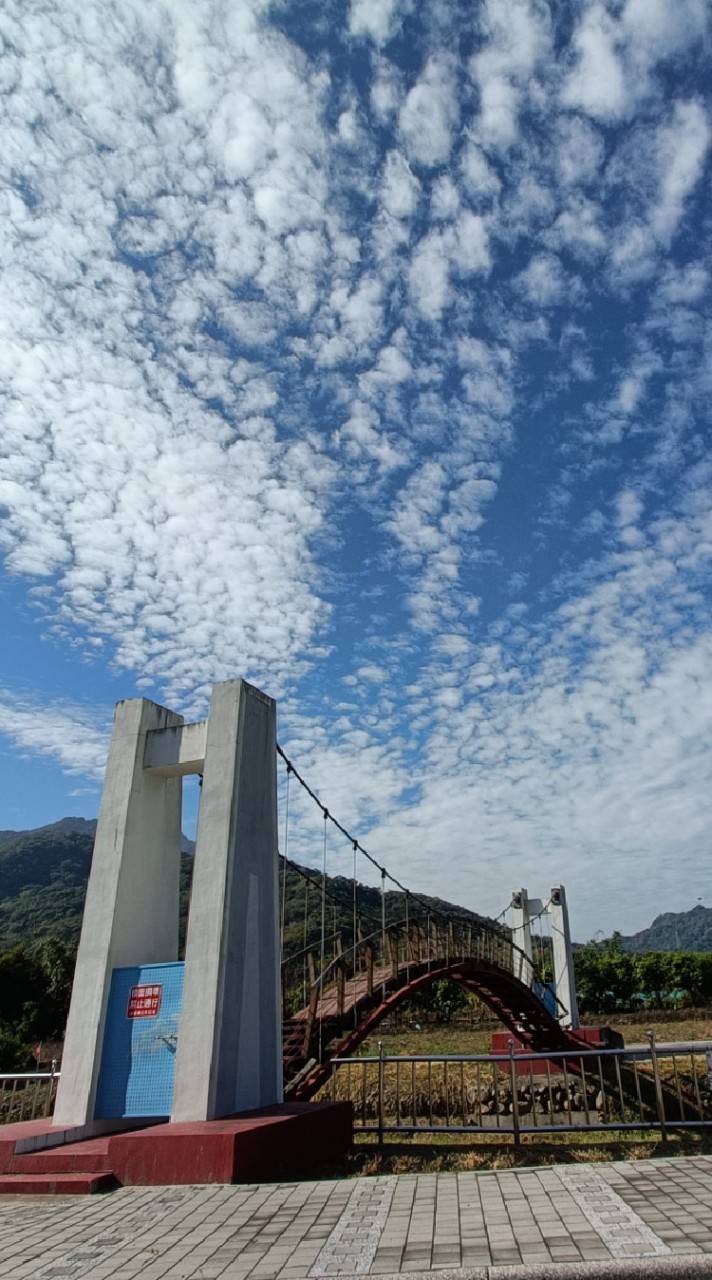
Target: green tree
point(688, 972)
point(605, 975)
point(653, 970)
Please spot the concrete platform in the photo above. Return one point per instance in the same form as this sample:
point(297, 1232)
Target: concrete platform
point(284, 1141)
point(608, 1221)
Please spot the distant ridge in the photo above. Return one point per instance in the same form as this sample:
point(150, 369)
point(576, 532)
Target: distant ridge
point(69, 826)
point(73, 826)
point(675, 931)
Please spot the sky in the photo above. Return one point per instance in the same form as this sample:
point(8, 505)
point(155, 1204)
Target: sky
point(361, 349)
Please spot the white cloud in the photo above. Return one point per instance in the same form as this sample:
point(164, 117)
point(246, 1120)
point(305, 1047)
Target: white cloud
point(654, 31)
point(629, 507)
point(580, 151)
point(429, 277)
point(470, 248)
point(429, 115)
point(481, 182)
point(74, 737)
point(498, 125)
point(518, 41)
point(543, 280)
point(445, 199)
point(597, 84)
point(689, 284)
point(400, 189)
point(681, 148)
point(386, 90)
point(375, 18)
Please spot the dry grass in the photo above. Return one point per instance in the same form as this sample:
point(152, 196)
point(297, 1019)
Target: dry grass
point(443, 1153)
point(421, 1156)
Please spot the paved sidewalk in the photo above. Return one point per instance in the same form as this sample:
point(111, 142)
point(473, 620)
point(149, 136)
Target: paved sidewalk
point(638, 1218)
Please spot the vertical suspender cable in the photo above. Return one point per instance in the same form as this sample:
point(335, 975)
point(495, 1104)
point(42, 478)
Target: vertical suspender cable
point(407, 938)
point(355, 928)
point(323, 933)
point(354, 888)
point(285, 852)
point(383, 928)
point(304, 943)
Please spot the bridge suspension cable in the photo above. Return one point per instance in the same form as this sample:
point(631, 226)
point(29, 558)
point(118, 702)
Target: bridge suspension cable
point(385, 874)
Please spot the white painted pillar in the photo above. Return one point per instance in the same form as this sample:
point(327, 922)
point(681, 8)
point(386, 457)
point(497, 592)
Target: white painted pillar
point(132, 903)
point(522, 934)
point(229, 1055)
point(563, 958)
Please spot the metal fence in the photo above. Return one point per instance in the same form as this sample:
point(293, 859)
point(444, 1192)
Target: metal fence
point(656, 1086)
point(27, 1095)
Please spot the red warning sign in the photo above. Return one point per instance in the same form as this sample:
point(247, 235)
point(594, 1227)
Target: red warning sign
point(144, 1000)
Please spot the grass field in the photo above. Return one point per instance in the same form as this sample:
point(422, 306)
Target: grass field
point(444, 1152)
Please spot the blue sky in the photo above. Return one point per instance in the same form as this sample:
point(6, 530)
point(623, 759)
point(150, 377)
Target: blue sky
point(363, 350)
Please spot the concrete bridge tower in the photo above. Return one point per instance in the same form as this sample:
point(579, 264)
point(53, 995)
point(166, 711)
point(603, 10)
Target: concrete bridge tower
point(148, 1036)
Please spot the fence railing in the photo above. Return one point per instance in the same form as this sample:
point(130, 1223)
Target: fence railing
point(643, 1087)
point(28, 1095)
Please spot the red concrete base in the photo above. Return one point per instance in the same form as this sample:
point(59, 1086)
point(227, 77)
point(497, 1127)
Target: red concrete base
point(58, 1184)
point(286, 1141)
point(291, 1141)
point(587, 1037)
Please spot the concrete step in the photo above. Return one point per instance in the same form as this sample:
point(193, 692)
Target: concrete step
point(91, 1156)
point(54, 1184)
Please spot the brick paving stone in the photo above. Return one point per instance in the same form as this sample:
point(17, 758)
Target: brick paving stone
point(413, 1223)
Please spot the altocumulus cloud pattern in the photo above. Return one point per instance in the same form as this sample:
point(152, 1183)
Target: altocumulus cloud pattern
point(363, 350)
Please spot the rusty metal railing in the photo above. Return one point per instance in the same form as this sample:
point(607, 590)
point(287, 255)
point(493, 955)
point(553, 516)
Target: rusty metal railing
point(637, 1088)
point(27, 1095)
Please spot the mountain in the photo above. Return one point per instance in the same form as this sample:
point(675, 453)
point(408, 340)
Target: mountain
point(65, 826)
point(44, 873)
point(43, 876)
point(675, 931)
point(43, 880)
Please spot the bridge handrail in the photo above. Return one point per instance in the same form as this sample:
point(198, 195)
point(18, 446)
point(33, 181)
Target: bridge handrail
point(305, 951)
point(493, 933)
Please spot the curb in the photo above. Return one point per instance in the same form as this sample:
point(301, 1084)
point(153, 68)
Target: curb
point(680, 1266)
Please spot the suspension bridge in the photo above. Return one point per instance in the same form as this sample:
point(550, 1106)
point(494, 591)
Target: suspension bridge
point(336, 991)
point(211, 1047)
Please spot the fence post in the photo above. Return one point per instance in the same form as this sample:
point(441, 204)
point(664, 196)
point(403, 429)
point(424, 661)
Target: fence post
point(340, 989)
point(48, 1099)
point(380, 1092)
point(311, 1018)
point(515, 1097)
point(660, 1101)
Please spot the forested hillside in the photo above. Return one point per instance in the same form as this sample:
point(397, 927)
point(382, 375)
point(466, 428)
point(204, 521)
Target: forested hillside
point(43, 878)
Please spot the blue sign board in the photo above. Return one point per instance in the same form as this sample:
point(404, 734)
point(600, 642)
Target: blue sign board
point(138, 1059)
point(546, 991)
